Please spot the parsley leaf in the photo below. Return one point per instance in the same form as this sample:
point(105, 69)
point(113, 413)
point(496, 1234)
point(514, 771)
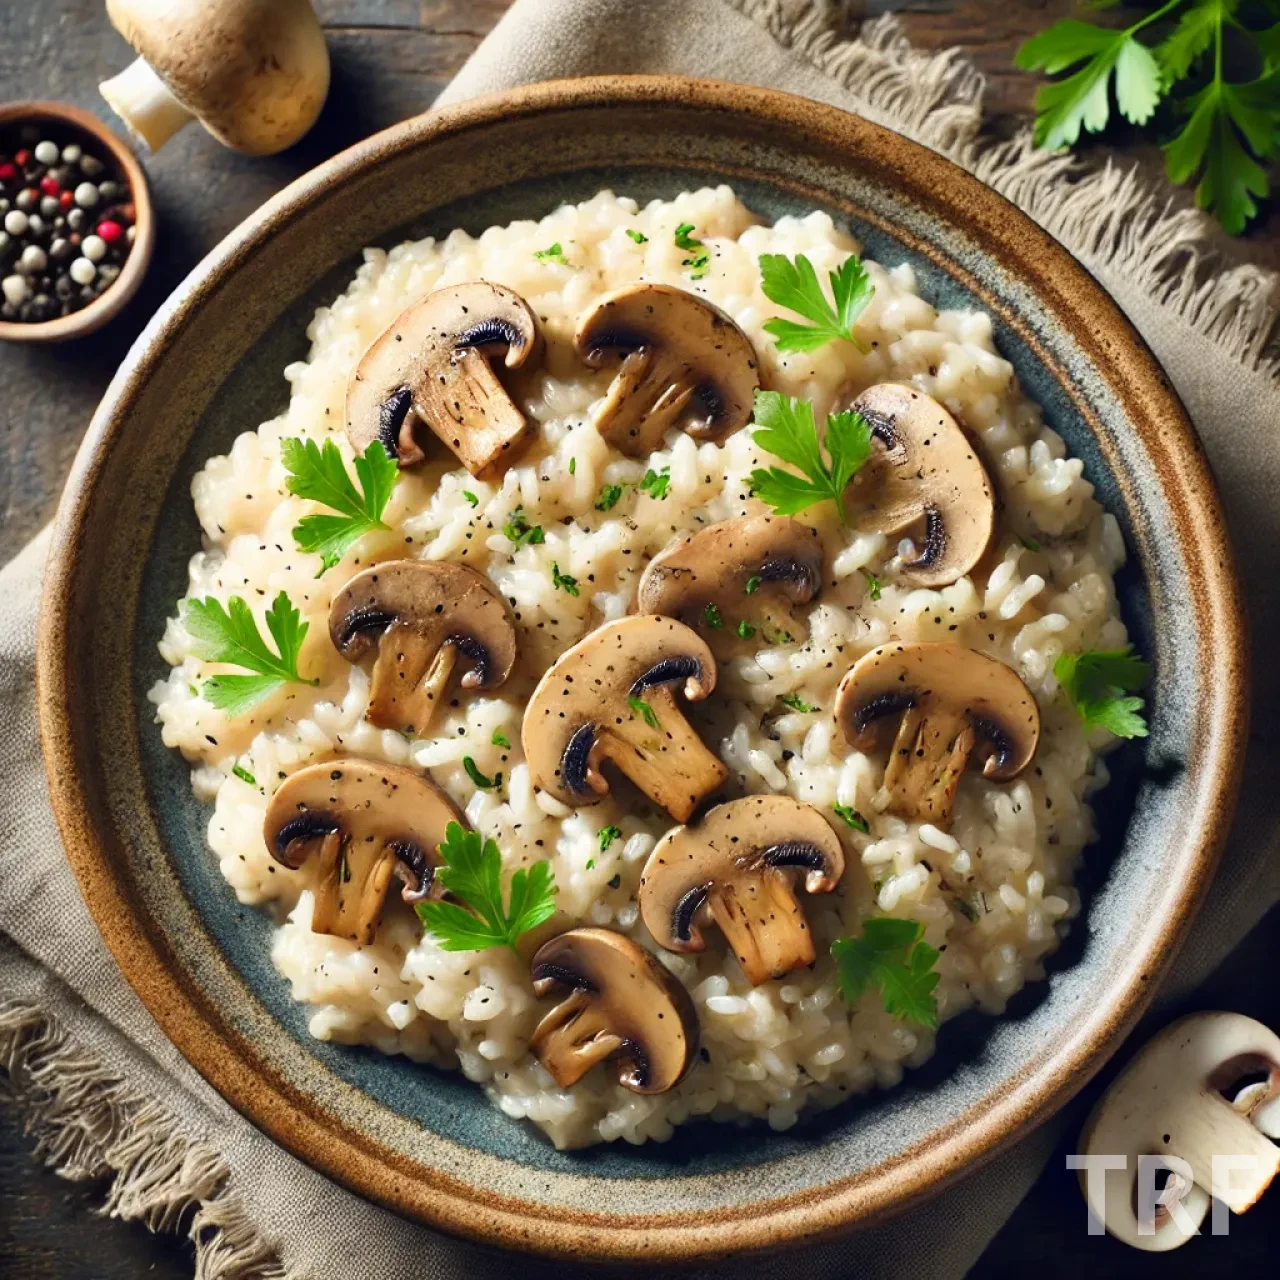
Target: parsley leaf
point(639, 707)
point(1030, 543)
point(472, 872)
point(639, 236)
point(891, 957)
point(231, 635)
point(712, 617)
point(752, 584)
point(320, 475)
point(790, 433)
point(608, 835)
point(699, 255)
point(573, 466)
point(874, 584)
point(484, 783)
point(795, 285)
point(609, 495)
point(563, 581)
point(243, 774)
point(500, 739)
point(852, 818)
point(554, 254)
point(1095, 682)
point(472, 498)
point(796, 703)
point(746, 631)
point(521, 532)
point(656, 483)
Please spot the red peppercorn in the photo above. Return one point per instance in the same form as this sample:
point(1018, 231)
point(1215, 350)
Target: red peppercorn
point(49, 185)
point(66, 199)
point(110, 231)
point(22, 158)
point(8, 172)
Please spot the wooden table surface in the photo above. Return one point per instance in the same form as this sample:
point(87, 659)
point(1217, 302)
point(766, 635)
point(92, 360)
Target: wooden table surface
point(390, 59)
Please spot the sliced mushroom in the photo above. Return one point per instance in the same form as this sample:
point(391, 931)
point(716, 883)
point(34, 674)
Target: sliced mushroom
point(683, 363)
point(355, 822)
point(736, 868)
point(1171, 1105)
point(422, 616)
point(596, 704)
point(619, 1004)
point(927, 476)
point(952, 707)
point(433, 366)
point(753, 563)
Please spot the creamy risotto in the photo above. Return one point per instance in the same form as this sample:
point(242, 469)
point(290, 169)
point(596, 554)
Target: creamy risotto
point(990, 883)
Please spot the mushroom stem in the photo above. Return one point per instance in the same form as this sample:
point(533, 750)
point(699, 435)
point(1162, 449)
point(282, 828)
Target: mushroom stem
point(143, 101)
point(767, 933)
point(408, 679)
point(929, 754)
point(648, 394)
point(574, 1036)
point(349, 883)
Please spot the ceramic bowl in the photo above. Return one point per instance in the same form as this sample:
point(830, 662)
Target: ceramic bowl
point(72, 121)
point(426, 1142)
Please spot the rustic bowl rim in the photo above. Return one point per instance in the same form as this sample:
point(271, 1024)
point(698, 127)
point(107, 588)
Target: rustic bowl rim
point(1006, 1112)
point(112, 300)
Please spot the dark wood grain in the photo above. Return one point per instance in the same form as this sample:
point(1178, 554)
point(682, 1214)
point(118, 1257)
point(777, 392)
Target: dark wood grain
point(390, 59)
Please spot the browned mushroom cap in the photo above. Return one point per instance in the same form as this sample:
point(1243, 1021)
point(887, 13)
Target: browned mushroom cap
point(926, 474)
point(736, 867)
point(683, 362)
point(621, 1005)
point(432, 366)
point(422, 615)
point(951, 706)
point(612, 697)
point(355, 822)
point(775, 558)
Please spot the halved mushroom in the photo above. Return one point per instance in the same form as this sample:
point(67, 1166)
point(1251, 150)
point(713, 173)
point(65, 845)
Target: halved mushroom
point(683, 362)
point(1180, 1104)
point(926, 476)
point(620, 1004)
point(432, 366)
point(356, 822)
point(423, 616)
point(736, 868)
point(763, 562)
point(952, 707)
point(612, 697)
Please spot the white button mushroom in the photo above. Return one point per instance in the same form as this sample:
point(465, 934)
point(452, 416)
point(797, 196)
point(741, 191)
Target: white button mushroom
point(254, 72)
point(1191, 1104)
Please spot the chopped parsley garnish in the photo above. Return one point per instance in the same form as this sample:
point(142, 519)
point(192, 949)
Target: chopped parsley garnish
point(609, 495)
point(554, 254)
point(745, 631)
point(795, 285)
point(320, 475)
point(562, 581)
point(500, 739)
point(591, 864)
point(638, 236)
point(796, 703)
point(874, 584)
point(711, 616)
point(244, 775)
point(1096, 683)
point(890, 956)
point(788, 431)
point(699, 259)
point(485, 784)
point(472, 498)
point(231, 635)
point(753, 584)
point(521, 532)
point(608, 835)
point(472, 873)
point(573, 466)
point(1030, 543)
point(639, 707)
point(852, 818)
point(656, 483)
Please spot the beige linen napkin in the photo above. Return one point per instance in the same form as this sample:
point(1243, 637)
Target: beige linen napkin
point(108, 1094)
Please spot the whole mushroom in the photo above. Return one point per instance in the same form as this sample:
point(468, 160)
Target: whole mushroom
point(619, 1004)
point(924, 475)
point(254, 72)
point(681, 362)
point(611, 697)
point(1182, 1101)
point(432, 367)
point(423, 617)
point(355, 823)
point(736, 868)
point(950, 707)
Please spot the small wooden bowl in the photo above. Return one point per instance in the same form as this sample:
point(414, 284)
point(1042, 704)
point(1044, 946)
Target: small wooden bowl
point(112, 299)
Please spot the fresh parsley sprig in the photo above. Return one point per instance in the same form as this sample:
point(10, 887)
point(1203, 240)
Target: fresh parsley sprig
point(552, 254)
point(788, 431)
point(851, 818)
point(1096, 682)
point(562, 581)
point(890, 956)
point(231, 635)
point(796, 703)
point(794, 284)
point(320, 475)
point(518, 530)
point(472, 873)
point(699, 259)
